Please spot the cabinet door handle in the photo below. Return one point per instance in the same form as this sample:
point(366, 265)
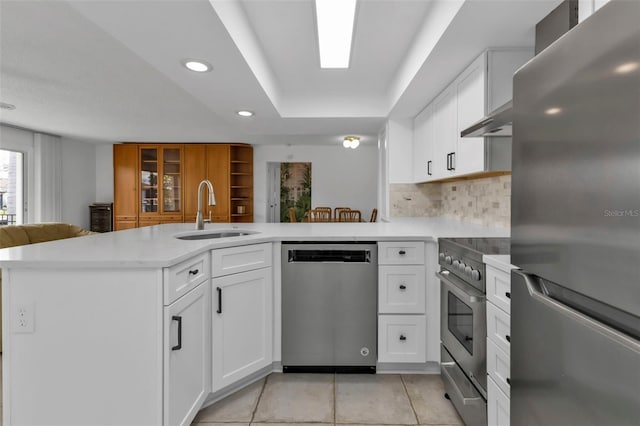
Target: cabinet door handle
point(509, 381)
point(429, 167)
point(508, 294)
point(403, 287)
point(402, 252)
point(193, 271)
point(403, 337)
point(448, 158)
point(219, 290)
point(452, 162)
point(179, 345)
point(508, 338)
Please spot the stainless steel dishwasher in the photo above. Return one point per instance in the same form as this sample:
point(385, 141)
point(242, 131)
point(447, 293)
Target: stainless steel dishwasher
point(329, 307)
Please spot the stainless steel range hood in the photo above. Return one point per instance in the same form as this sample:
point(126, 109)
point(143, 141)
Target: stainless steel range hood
point(498, 123)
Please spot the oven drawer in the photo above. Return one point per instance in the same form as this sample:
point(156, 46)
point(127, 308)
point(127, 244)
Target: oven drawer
point(499, 327)
point(401, 289)
point(469, 403)
point(402, 338)
point(499, 288)
point(401, 253)
point(498, 366)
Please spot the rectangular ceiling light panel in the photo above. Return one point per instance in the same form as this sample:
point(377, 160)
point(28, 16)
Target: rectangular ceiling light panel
point(335, 31)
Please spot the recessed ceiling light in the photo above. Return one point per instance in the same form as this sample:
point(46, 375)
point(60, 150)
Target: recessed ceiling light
point(197, 65)
point(627, 68)
point(245, 113)
point(4, 105)
point(335, 20)
point(553, 111)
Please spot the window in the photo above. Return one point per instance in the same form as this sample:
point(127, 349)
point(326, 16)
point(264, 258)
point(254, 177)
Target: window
point(11, 187)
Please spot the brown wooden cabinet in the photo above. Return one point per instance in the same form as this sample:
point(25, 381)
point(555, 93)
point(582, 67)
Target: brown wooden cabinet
point(168, 175)
point(125, 181)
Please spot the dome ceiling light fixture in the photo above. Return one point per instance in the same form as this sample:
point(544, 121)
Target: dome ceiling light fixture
point(351, 142)
point(245, 113)
point(197, 65)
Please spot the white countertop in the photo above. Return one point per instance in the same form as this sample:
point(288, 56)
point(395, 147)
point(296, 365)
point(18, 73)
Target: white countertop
point(499, 261)
point(155, 246)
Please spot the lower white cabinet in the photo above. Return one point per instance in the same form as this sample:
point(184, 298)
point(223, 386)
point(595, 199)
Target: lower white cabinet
point(242, 319)
point(401, 338)
point(498, 413)
point(187, 340)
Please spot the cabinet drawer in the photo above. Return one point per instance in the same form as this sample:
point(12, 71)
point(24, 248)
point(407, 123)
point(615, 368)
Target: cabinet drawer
point(401, 338)
point(499, 366)
point(499, 327)
point(240, 259)
point(401, 253)
point(401, 289)
point(498, 410)
point(499, 288)
point(184, 276)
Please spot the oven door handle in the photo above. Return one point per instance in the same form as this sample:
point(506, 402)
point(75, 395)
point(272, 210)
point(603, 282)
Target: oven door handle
point(465, 400)
point(463, 291)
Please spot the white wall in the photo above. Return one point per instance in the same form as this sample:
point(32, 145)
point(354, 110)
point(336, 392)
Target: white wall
point(340, 176)
point(400, 150)
point(78, 181)
point(104, 173)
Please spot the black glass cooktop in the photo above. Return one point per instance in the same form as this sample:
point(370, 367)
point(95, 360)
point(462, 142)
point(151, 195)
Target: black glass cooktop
point(484, 245)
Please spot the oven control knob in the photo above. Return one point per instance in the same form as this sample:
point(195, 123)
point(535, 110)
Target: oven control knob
point(456, 264)
point(461, 267)
point(448, 260)
point(441, 256)
point(475, 274)
point(469, 270)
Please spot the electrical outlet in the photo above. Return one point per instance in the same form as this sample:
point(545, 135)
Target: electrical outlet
point(23, 318)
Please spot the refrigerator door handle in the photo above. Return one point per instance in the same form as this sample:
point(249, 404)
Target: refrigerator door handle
point(533, 287)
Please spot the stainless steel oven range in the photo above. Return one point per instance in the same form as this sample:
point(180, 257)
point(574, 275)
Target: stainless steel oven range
point(463, 322)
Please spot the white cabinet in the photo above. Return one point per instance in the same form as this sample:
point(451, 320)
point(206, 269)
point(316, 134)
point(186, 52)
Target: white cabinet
point(498, 281)
point(399, 138)
point(480, 88)
point(498, 406)
point(401, 338)
point(445, 139)
point(423, 145)
point(186, 355)
point(401, 302)
point(242, 319)
point(401, 289)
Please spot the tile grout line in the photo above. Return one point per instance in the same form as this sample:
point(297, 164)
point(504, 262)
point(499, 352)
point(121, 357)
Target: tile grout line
point(404, 385)
point(334, 399)
point(255, 409)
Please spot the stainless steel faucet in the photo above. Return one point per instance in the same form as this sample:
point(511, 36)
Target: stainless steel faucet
point(212, 202)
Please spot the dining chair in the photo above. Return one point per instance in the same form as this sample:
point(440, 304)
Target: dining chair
point(374, 215)
point(337, 211)
point(320, 215)
point(292, 215)
point(350, 216)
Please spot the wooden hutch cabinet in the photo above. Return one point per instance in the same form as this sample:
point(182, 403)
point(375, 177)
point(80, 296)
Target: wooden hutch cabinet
point(158, 183)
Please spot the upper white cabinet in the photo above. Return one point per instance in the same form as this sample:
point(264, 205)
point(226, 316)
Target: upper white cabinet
point(482, 87)
point(399, 138)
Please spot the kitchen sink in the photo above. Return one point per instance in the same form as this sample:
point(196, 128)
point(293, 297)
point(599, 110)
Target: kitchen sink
point(206, 235)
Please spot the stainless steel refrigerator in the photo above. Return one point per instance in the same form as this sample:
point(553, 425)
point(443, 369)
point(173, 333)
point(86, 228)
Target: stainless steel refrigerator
point(575, 323)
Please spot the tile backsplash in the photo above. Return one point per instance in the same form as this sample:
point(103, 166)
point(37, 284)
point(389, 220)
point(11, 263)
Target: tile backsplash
point(484, 201)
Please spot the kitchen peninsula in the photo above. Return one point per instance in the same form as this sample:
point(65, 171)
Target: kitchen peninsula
point(119, 328)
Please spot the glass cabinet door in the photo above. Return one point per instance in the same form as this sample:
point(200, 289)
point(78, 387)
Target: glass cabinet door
point(171, 181)
point(149, 180)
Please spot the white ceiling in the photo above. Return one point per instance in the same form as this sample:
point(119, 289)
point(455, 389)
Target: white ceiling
point(110, 70)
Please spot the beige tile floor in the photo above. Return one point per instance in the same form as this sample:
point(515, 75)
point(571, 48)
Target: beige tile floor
point(335, 399)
